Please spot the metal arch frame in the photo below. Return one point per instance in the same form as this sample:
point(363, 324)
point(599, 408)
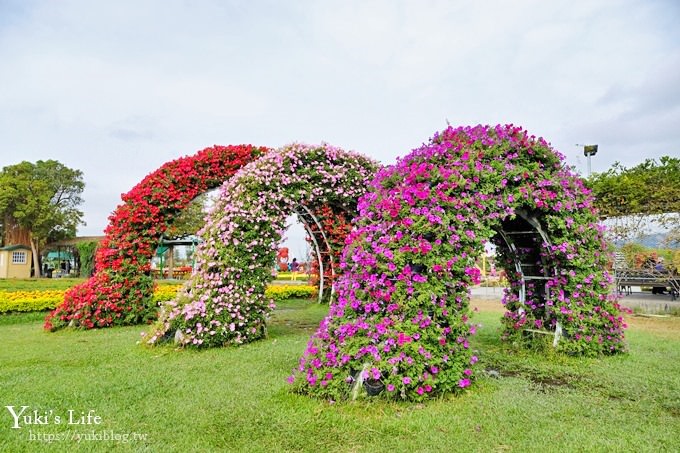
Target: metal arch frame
point(310, 214)
point(318, 257)
point(518, 267)
point(533, 222)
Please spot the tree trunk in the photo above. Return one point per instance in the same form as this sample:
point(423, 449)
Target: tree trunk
point(14, 234)
point(36, 259)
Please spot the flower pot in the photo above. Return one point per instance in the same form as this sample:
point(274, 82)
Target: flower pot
point(373, 387)
point(429, 237)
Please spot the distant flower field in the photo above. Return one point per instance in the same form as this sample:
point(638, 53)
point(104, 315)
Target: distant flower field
point(48, 299)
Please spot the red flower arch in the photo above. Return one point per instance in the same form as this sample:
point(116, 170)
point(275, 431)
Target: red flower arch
point(121, 290)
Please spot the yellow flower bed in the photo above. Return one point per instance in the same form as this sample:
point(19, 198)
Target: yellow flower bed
point(283, 292)
point(163, 293)
point(30, 300)
point(276, 292)
point(49, 299)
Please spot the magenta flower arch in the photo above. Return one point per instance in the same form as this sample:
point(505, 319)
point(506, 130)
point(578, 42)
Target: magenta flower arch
point(401, 323)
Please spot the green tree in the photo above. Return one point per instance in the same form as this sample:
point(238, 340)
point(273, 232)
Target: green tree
point(635, 199)
point(190, 220)
point(86, 253)
point(39, 203)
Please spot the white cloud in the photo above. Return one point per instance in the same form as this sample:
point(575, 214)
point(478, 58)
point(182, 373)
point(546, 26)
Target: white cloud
point(118, 88)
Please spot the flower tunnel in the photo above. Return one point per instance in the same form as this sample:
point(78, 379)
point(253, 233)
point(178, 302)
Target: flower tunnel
point(400, 326)
point(224, 302)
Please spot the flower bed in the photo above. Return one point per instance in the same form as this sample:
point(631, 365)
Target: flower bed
point(283, 292)
point(225, 300)
point(24, 301)
point(30, 300)
point(401, 323)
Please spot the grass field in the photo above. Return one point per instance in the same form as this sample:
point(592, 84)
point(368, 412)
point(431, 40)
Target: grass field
point(38, 284)
point(236, 399)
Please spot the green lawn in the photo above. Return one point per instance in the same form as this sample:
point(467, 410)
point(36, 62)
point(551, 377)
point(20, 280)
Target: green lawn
point(38, 284)
point(236, 399)
point(43, 284)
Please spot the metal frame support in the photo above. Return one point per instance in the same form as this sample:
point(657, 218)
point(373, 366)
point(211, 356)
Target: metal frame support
point(310, 214)
point(318, 257)
point(533, 222)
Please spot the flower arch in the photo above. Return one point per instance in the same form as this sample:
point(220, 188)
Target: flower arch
point(401, 323)
point(120, 292)
point(224, 303)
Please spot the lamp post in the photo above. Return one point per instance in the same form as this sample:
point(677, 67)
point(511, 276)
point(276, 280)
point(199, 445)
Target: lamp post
point(588, 151)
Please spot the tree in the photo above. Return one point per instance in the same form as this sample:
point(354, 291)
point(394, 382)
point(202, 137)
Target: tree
point(635, 199)
point(86, 251)
point(190, 220)
point(39, 204)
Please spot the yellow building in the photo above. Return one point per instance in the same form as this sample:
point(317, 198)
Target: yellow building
point(15, 261)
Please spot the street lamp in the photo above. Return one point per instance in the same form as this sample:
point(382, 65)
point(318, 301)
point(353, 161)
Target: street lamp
point(588, 151)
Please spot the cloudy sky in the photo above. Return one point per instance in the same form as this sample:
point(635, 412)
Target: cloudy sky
point(117, 88)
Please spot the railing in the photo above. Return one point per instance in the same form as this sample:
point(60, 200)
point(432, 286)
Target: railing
point(177, 273)
point(646, 276)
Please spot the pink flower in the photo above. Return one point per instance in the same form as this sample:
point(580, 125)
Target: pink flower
point(403, 339)
point(406, 380)
point(464, 383)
